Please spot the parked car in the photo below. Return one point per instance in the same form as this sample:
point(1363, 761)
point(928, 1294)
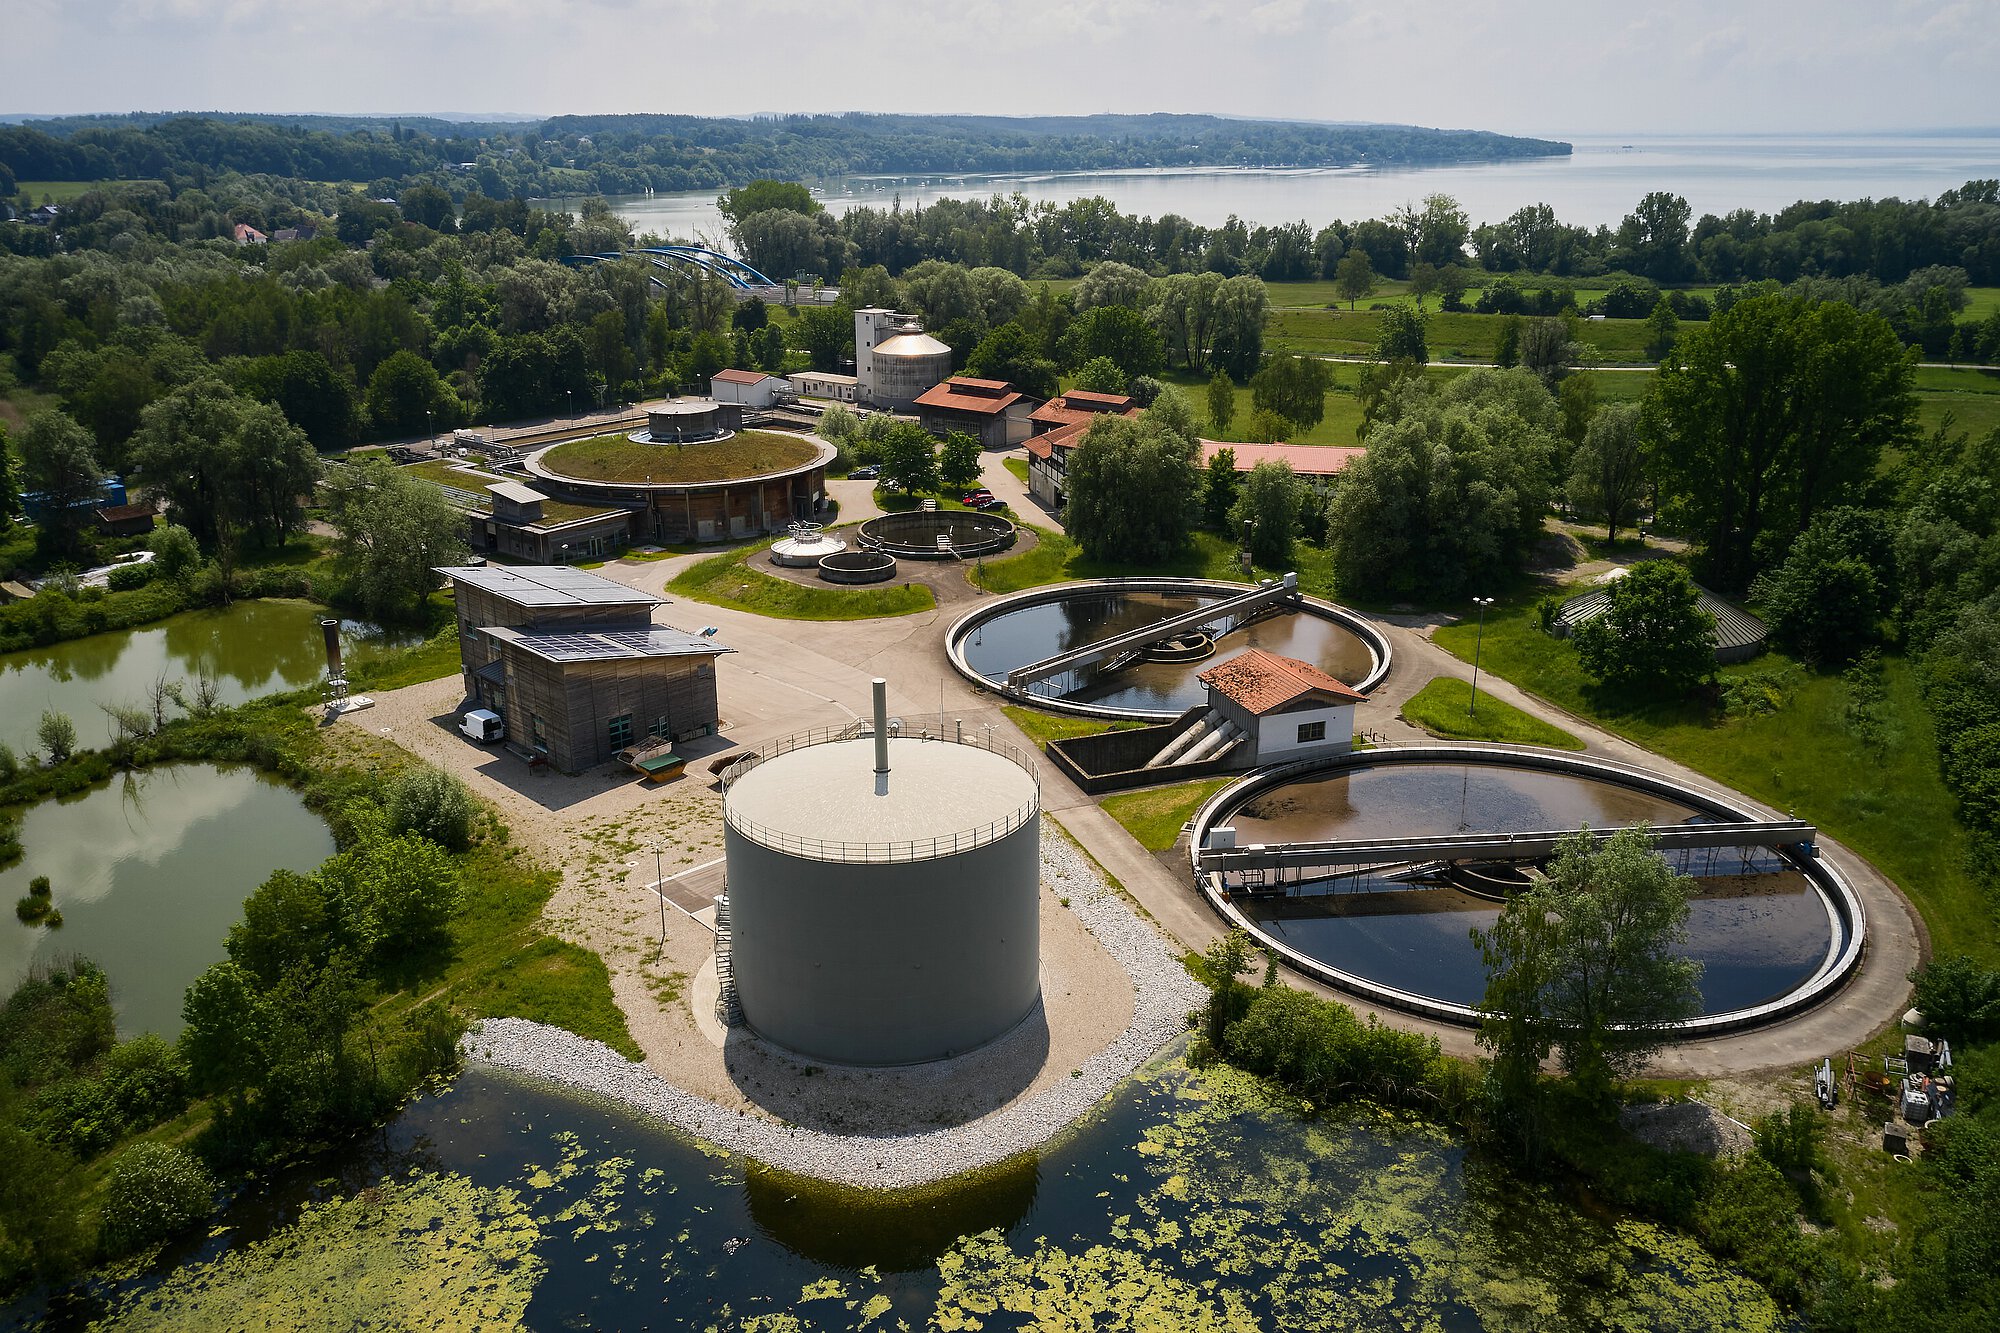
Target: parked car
point(867, 473)
point(976, 499)
point(483, 725)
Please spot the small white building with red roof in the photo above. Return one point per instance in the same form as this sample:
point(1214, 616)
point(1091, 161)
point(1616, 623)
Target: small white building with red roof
point(1287, 709)
point(752, 389)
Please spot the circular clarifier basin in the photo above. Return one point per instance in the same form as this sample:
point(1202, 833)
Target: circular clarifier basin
point(1765, 927)
point(996, 640)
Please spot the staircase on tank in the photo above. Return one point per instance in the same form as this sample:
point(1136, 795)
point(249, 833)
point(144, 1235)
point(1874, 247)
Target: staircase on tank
point(728, 1008)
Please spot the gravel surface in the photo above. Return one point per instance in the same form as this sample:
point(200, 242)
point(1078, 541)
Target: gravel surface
point(1165, 995)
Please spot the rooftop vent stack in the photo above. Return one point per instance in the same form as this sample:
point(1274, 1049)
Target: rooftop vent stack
point(881, 726)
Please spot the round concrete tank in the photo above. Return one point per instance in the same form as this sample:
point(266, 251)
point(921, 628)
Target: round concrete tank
point(884, 918)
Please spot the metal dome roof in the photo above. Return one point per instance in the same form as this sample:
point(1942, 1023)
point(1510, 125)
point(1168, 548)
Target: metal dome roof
point(911, 344)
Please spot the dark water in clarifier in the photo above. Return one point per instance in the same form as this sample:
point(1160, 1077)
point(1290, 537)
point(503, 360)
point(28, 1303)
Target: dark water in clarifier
point(1189, 1200)
point(1757, 935)
point(1032, 633)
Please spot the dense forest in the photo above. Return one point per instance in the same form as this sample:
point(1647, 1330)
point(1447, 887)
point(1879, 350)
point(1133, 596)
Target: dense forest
point(630, 154)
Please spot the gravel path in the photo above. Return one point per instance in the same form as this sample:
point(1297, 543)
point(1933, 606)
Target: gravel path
point(1165, 995)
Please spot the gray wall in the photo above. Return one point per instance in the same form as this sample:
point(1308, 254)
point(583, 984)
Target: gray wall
point(883, 964)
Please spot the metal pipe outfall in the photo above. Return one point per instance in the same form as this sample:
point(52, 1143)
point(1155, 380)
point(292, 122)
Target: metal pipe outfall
point(881, 726)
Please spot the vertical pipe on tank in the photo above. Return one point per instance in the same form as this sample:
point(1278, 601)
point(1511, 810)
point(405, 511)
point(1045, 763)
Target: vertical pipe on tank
point(330, 630)
point(881, 725)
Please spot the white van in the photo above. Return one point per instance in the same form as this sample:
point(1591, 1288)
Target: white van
point(483, 724)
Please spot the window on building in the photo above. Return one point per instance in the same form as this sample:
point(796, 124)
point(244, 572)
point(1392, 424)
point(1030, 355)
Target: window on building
point(1311, 731)
point(537, 732)
point(621, 731)
point(658, 727)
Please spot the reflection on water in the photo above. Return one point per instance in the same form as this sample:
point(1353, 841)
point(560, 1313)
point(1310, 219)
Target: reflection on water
point(1191, 1200)
point(149, 872)
point(249, 648)
point(1758, 934)
point(1031, 633)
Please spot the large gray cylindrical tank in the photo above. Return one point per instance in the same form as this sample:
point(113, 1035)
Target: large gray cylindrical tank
point(884, 919)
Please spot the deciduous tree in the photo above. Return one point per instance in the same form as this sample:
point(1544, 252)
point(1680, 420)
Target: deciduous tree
point(1354, 278)
point(390, 532)
point(1608, 470)
point(1270, 504)
point(59, 466)
point(1654, 633)
point(1586, 964)
point(1294, 387)
point(1771, 411)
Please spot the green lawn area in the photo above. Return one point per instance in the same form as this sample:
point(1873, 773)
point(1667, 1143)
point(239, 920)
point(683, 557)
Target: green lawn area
point(1017, 466)
point(728, 580)
point(1458, 336)
point(1445, 708)
point(1041, 728)
point(747, 453)
point(35, 193)
point(1971, 397)
point(1155, 816)
point(1885, 801)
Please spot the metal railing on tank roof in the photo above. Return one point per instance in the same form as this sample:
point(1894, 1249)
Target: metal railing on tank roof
point(912, 849)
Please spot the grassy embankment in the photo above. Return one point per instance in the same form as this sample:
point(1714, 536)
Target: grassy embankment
point(1444, 707)
point(1790, 744)
point(1041, 728)
point(728, 580)
point(1155, 816)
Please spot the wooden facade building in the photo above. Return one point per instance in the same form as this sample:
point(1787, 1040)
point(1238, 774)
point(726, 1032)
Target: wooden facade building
point(575, 666)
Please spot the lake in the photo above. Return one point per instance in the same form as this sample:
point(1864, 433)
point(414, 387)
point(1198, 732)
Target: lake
point(1189, 1200)
point(149, 872)
point(248, 648)
point(1596, 186)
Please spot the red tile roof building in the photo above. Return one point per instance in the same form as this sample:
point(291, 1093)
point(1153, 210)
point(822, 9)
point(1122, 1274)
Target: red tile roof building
point(993, 411)
point(1288, 709)
point(1314, 462)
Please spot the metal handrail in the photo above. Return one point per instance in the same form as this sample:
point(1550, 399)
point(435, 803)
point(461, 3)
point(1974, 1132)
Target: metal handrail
point(913, 849)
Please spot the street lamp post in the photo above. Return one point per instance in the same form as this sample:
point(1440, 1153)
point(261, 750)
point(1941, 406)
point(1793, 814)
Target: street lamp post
point(1478, 641)
point(660, 890)
point(430, 422)
point(569, 396)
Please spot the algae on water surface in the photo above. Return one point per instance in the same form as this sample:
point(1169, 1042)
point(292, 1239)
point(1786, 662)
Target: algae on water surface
point(1197, 1199)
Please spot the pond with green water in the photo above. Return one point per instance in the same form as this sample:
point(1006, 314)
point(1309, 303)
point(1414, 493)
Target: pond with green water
point(1192, 1200)
point(149, 872)
point(247, 648)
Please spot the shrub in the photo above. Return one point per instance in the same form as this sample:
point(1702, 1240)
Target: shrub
point(174, 551)
point(1790, 1139)
point(57, 735)
point(127, 577)
point(155, 1191)
point(1958, 997)
point(434, 803)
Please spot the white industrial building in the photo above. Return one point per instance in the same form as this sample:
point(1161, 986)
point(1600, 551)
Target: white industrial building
point(752, 389)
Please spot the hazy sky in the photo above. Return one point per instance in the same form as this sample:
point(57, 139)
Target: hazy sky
point(1556, 67)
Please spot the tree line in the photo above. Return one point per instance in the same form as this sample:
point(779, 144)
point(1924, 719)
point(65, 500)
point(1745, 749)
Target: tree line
point(629, 154)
